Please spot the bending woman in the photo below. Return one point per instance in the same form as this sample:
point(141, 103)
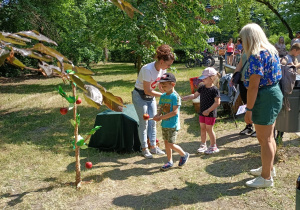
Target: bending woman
point(264, 98)
point(143, 98)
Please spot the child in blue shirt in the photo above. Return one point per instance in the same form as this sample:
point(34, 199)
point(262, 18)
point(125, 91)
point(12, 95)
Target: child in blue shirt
point(168, 112)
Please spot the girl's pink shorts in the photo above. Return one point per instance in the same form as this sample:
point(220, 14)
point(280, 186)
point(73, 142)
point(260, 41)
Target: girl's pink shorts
point(207, 120)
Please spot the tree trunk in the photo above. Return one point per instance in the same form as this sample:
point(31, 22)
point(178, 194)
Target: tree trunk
point(105, 51)
point(139, 63)
point(77, 149)
point(268, 4)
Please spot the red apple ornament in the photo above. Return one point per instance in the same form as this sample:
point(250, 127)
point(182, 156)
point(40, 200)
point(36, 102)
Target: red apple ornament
point(146, 116)
point(63, 110)
point(78, 101)
point(88, 165)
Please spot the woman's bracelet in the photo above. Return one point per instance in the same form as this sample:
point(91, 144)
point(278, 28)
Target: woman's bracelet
point(247, 109)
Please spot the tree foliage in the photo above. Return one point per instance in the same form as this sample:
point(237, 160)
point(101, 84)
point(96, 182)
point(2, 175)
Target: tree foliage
point(275, 16)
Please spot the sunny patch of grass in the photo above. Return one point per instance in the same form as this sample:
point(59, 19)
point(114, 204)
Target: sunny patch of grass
point(37, 161)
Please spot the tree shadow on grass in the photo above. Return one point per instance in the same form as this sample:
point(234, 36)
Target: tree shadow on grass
point(191, 194)
point(232, 166)
point(38, 88)
point(46, 128)
point(18, 198)
point(29, 88)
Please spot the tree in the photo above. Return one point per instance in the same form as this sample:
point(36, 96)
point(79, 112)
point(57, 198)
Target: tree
point(284, 15)
point(17, 43)
point(171, 22)
point(275, 6)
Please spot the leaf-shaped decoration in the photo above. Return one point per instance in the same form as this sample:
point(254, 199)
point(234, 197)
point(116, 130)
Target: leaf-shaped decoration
point(70, 99)
point(49, 51)
point(78, 82)
point(73, 122)
point(71, 106)
point(37, 36)
point(3, 55)
point(94, 130)
point(80, 142)
point(118, 4)
point(12, 41)
point(66, 66)
point(129, 11)
point(16, 62)
point(78, 119)
point(114, 103)
point(82, 70)
point(90, 80)
point(30, 53)
point(84, 146)
point(15, 36)
point(61, 92)
point(126, 6)
point(93, 96)
point(48, 69)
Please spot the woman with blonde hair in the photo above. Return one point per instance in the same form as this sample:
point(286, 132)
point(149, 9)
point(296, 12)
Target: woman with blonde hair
point(264, 98)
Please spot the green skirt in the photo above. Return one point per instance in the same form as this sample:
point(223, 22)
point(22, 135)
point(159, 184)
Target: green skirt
point(267, 105)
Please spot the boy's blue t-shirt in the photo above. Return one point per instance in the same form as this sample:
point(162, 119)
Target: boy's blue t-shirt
point(167, 102)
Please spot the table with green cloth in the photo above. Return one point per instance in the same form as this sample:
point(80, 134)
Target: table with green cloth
point(118, 132)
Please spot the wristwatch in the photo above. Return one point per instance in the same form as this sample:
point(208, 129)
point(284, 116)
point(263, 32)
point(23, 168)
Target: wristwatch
point(247, 109)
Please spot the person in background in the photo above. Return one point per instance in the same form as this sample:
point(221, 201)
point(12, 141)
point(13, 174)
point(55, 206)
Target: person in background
point(292, 56)
point(296, 40)
point(264, 98)
point(209, 102)
point(169, 112)
point(238, 50)
point(280, 47)
point(242, 67)
point(229, 51)
point(143, 97)
point(289, 59)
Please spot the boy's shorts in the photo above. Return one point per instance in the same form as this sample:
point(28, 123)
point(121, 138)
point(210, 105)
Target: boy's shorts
point(207, 120)
point(169, 134)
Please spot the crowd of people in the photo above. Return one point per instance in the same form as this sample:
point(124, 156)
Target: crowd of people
point(259, 88)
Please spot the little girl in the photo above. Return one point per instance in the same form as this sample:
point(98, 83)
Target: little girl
point(209, 101)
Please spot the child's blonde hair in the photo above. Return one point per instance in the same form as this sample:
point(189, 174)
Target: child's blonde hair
point(216, 80)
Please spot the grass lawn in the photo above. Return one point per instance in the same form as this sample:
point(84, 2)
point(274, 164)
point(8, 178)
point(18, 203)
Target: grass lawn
point(37, 159)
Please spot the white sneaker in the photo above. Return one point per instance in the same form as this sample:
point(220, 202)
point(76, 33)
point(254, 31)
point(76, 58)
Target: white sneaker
point(202, 148)
point(147, 154)
point(157, 150)
point(257, 172)
point(260, 182)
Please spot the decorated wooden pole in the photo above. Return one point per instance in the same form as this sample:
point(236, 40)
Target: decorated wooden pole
point(77, 148)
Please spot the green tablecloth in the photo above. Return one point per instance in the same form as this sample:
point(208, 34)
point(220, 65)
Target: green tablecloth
point(119, 131)
point(297, 199)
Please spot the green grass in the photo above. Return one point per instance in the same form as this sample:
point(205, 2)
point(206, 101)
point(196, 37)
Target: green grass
point(37, 160)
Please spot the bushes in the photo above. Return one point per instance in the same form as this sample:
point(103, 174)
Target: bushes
point(122, 55)
point(126, 55)
point(8, 70)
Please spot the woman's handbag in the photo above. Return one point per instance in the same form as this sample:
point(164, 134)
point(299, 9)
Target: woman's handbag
point(143, 95)
point(236, 77)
